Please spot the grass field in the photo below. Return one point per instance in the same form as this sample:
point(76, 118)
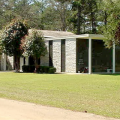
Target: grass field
point(98, 94)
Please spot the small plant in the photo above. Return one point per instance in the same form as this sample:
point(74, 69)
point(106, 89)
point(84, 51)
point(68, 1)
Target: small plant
point(52, 70)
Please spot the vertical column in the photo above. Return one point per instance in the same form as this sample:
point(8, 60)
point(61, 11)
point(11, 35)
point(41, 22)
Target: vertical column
point(21, 63)
point(113, 58)
point(51, 53)
point(90, 56)
point(26, 61)
point(63, 55)
point(57, 55)
point(70, 55)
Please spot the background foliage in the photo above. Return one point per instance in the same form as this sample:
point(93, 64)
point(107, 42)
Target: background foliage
point(78, 16)
point(12, 36)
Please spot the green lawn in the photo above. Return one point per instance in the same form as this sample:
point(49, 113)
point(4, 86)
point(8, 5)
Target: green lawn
point(99, 94)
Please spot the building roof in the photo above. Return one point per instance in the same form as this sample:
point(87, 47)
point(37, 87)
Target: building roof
point(56, 33)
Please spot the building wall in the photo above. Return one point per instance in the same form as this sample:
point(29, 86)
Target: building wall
point(10, 61)
point(21, 63)
point(45, 59)
point(71, 55)
point(3, 62)
point(0, 62)
point(57, 55)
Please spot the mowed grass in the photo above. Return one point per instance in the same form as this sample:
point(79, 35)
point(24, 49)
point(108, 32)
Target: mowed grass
point(98, 94)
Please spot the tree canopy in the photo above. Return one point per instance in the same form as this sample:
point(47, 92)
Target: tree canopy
point(12, 36)
point(35, 45)
point(78, 16)
point(111, 29)
point(11, 40)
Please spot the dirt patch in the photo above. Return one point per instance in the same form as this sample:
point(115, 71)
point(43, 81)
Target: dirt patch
point(15, 110)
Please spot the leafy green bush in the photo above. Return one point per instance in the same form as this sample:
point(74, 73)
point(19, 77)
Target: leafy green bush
point(40, 69)
point(28, 68)
point(52, 70)
point(45, 68)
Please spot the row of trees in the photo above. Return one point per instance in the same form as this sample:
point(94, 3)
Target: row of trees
point(79, 16)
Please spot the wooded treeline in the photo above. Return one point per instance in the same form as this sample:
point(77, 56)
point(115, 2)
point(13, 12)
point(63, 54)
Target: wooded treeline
point(78, 16)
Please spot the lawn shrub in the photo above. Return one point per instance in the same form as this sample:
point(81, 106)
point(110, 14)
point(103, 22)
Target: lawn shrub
point(52, 70)
point(46, 69)
point(28, 68)
point(43, 69)
point(40, 69)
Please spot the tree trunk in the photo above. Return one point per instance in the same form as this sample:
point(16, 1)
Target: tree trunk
point(17, 63)
point(36, 64)
point(79, 20)
point(63, 24)
point(64, 18)
point(93, 23)
point(105, 21)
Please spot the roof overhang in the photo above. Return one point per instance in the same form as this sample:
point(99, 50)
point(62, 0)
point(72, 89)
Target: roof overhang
point(92, 36)
point(82, 36)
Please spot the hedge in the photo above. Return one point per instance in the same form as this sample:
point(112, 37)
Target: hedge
point(40, 69)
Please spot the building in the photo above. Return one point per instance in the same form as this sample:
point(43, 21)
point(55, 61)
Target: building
point(72, 53)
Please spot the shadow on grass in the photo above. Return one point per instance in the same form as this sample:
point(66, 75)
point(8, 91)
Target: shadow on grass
point(37, 73)
point(113, 74)
point(99, 73)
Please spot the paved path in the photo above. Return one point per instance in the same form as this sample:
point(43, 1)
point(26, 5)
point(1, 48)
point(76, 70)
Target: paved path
point(15, 110)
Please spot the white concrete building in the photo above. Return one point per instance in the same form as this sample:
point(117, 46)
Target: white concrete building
point(72, 53)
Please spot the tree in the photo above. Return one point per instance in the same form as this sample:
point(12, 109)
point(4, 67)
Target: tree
point(39, 8)
point(62, 10)
point(35, 46)
point(102, 11)
point(22, 9)
point(111, 30)
point(84, 16)
point(5, 12)
point(91, 14)
point(12, 37)
point(78, 15)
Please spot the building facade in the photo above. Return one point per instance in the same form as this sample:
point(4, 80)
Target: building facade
point(72, 54)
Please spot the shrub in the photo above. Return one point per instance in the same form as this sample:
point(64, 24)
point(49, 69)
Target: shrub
point(41, 69)
point(45, 68)
point(52, 70)
point(28, 68)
